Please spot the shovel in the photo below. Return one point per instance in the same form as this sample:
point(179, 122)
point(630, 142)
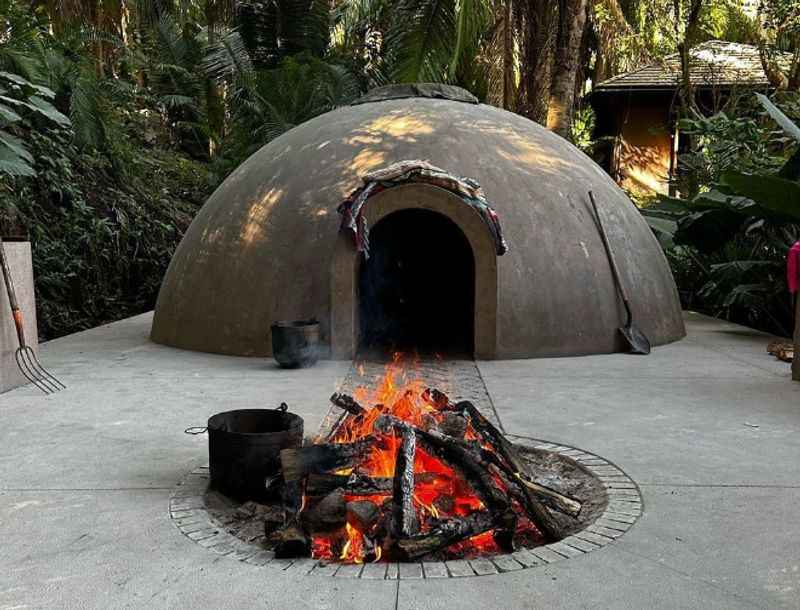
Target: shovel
point(634, 337)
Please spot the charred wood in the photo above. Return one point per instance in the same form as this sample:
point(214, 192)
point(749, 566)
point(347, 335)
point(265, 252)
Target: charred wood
point(453, 452)
point(328, 514)
point(445, 534)
point(491, 435)
point(292, 541)
point(357, 484)
point(297, 463)
point(348, 403)
point(404, 516)
point(454, 425)
point(549, 497)
point(552, 498)
point(363, 514)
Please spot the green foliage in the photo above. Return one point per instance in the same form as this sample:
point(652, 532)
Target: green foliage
point(434, 40)
point(101, 246)
point(24, 108)
point(270, 102)
point(275, 29)
point(105, 209)
point(722, 142)
point(727, 244)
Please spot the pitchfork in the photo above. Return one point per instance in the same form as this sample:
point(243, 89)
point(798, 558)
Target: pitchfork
point(27, 361)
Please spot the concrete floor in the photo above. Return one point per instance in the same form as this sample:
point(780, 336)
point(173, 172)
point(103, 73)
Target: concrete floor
point(709, 427)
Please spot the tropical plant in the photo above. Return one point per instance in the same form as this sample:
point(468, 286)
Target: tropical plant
point(729, 241)
point(24, 107)
point(268, 102)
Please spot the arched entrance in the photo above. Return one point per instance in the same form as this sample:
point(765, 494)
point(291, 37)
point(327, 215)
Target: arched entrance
point(417, 289)
point(345, 327)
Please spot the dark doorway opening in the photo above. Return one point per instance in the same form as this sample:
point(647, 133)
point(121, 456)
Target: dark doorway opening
point(417, 289)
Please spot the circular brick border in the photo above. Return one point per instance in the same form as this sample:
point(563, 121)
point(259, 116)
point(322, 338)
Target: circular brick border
point(188, 510)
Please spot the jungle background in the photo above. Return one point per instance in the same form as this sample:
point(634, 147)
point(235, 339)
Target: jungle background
point(119, 117)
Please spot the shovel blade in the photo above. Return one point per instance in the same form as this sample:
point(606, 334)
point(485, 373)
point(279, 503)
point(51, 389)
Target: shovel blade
point(636, 339)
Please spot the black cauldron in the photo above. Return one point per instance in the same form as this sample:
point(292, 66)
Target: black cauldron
point(295, 344)
point(244, 449)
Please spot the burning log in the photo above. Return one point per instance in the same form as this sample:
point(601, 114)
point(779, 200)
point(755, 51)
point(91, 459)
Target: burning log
point(454, 425)
point(348, 403)
point(292, 542)
point(404, 517)
point(438, 400)
point(492, 436)
point(446, 534)
point(328, 514)
point(291, 539)
point(296, 464)
point(552, 498)
point(357, 484)
point(363, 514)
point(517, 481)
point(478, 475)
point(319, 459)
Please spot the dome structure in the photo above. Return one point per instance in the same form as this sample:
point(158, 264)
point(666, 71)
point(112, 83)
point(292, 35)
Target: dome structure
point(267, 244)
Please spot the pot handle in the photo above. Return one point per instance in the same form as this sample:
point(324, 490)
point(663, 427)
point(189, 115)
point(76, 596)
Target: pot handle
point(193, 430)
point(283, 408)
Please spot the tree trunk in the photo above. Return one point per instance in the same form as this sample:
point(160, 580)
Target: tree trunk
point(214, 98)
point(610, 24)
point(535, 20)
point(571, 23)
point(508, 56)
point(686, 92)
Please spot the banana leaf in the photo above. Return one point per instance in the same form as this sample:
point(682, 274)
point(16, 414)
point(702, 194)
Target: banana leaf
point(776, 197)
point(708, 230)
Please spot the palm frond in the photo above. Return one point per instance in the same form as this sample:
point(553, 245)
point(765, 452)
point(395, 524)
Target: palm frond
point(420, 38)
point(170, 44)
point(473, 17)
point(88, 118)
point(177, 101)
point(228, 58)
point(305, 25)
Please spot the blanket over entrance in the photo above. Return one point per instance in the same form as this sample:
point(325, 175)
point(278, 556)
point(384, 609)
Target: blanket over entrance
point(415, 171)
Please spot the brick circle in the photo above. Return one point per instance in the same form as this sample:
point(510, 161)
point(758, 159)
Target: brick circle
point(189, 512)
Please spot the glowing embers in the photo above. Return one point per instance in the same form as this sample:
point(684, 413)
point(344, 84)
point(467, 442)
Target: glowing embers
point(411, 476)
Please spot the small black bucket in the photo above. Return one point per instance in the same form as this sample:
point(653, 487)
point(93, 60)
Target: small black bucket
point(244, 449)
point(295, 344)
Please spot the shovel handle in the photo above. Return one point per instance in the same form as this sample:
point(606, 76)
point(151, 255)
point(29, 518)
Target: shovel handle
point(16, 312)
point(611, 260)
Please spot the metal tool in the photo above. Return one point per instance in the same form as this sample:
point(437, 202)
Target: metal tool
point(27, 361)
point(635, 338)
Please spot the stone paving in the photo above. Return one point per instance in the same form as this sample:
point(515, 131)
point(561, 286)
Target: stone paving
point(709, 428)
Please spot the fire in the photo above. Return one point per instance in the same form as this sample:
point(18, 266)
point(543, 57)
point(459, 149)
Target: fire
point(440, 493)
point(353, 547)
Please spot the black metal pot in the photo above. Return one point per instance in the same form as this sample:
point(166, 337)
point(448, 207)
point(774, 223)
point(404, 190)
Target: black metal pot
point(244, 449)
point(295, 344)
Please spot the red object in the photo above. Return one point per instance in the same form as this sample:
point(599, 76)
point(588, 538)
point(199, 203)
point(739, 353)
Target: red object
point(793, 267)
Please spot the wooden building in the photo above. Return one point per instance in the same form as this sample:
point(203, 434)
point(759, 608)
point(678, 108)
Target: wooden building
point(636, 111)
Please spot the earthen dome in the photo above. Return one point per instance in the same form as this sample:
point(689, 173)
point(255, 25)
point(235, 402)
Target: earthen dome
point(267, 245)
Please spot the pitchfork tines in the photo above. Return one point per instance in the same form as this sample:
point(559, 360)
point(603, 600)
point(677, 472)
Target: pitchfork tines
point(34, 372)
point(27, 361)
